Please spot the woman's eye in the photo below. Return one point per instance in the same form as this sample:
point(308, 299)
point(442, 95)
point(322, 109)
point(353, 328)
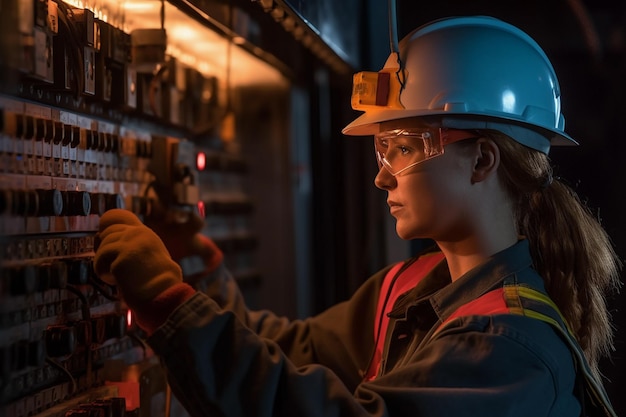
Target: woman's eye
point(404, 150)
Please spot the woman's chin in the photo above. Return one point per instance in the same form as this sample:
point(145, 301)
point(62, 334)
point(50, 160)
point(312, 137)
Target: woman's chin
point(409, 234)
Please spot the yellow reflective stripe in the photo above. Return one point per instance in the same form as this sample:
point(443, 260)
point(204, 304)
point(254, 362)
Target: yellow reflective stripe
point(536, 295)
point(536, 315)
point(514, 292)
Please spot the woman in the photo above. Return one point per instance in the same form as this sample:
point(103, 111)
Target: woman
point(463, 116)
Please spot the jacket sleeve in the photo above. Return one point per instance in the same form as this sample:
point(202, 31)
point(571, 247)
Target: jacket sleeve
point(340, 338)
point(218, 366)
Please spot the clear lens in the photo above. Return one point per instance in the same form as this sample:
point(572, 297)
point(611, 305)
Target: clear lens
point(400, 149)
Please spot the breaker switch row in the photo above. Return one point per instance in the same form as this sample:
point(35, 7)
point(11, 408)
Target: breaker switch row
point(102, 141)
point(52, 202)
point(27, 127)
point(21, 126)
point(29, 278)
point(102, 202)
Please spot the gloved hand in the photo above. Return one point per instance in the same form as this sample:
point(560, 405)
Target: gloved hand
point(177, 230)
point(181, 234)
point(131, 256)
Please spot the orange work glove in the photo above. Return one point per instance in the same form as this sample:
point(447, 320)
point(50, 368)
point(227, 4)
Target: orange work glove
point(181, 234)
point(131, 256)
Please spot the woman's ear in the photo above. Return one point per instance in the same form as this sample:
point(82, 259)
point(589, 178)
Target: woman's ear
point(487, 160)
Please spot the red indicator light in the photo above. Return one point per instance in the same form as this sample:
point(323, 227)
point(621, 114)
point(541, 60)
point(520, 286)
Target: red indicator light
point(129, 319)
point(200, 161)
point(201, 211)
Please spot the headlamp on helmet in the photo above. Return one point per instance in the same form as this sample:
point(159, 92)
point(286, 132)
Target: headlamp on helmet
point(376, 89)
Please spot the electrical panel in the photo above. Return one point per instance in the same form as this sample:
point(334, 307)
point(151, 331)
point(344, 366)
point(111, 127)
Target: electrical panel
point(94, 118)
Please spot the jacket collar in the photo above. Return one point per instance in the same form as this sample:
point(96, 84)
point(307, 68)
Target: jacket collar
point(482, 279)
point(445, 296)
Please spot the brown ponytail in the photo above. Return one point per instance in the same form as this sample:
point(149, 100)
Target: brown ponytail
point(569, 247)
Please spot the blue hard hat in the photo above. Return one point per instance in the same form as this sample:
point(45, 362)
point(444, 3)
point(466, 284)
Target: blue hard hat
point(473, 72)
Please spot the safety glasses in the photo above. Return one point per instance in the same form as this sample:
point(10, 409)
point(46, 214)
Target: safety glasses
point(400, 149)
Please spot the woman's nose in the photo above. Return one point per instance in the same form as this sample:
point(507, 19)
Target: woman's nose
point(384, 180)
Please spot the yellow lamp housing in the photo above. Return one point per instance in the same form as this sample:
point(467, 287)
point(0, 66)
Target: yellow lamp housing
point(376, 89)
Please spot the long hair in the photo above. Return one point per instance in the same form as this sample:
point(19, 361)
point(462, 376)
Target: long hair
point(569, 247)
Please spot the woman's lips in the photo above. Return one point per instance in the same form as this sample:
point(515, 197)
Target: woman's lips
point(394, 206)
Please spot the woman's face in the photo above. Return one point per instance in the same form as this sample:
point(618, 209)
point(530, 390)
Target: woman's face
point(431, 199)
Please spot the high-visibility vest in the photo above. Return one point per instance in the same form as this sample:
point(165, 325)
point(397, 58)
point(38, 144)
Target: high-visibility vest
point(511, 298)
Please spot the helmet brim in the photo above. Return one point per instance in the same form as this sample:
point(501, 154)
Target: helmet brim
point(368, 123)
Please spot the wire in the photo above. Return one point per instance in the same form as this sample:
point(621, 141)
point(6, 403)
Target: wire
point(103, 289)
point(229, 58)
point(84, 303)
point(59, 366)
point(393, 26)
point(86, 313)
point(393, 41)
point(168, 400)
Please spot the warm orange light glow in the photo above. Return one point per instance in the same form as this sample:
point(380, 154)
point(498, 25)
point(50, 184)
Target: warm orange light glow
point(227, 128)
point(142, 6)
point(190, 42)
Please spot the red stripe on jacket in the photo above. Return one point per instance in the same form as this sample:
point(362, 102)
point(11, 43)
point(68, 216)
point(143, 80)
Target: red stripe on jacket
point(390, 291)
